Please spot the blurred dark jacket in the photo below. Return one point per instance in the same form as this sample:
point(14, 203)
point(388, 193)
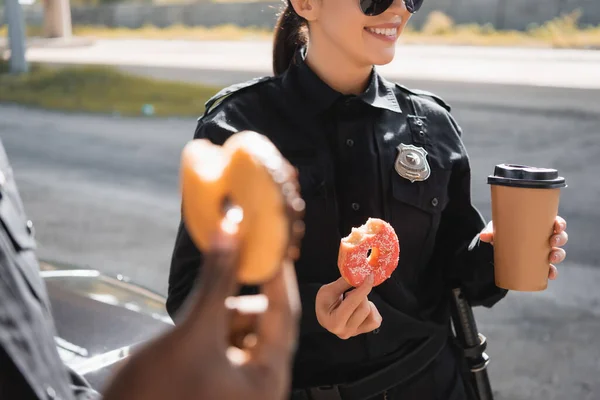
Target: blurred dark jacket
point(30, 367)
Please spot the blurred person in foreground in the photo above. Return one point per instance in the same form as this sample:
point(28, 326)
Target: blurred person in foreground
point(203, 357)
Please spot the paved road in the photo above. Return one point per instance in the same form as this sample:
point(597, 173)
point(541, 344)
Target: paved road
point(538, 67)
point(103, 193)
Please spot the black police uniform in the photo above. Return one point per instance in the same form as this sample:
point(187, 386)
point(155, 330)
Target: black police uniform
point(347, 149)
point(30, 367)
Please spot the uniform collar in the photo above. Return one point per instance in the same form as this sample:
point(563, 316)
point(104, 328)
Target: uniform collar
point(319, 96)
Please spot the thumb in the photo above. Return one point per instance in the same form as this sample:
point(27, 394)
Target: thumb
point(331, 292)
point(217, 281)
point(487, 234)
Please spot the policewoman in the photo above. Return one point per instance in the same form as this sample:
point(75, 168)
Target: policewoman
point(364, 147)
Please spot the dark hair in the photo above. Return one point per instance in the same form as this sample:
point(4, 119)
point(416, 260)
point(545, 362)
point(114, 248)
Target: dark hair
point(290, 33)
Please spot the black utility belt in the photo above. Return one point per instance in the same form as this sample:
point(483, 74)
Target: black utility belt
point(391, 376)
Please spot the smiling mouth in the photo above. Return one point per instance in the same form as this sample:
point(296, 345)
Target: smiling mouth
point(386, 32)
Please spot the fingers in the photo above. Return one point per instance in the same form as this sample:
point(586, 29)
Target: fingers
point(332, 292)
point(242, 336)
point(334, 312)
point(486, 237)
point(553, 273)
point(353, 299)
point(559, 239)
point(487, 234)
point(217, 282)
point(557, 255)
point(244, 312)
point(278, 326)
point(358, 317)
point(560, 224)
point(351, 316)
point(372, 322)
point(242, 327)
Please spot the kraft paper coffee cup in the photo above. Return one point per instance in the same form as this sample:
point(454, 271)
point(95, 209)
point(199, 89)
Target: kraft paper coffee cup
point(524, 207)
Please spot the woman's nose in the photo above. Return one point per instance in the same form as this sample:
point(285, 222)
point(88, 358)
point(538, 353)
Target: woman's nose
point(398, 7)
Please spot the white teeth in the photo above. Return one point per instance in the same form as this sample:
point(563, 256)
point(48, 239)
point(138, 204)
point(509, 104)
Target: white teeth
point(386, 32)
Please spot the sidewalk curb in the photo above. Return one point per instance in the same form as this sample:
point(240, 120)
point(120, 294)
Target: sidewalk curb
point(41, 42)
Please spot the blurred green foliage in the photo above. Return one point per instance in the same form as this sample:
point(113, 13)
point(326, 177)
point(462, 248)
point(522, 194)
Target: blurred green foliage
point(103, 90)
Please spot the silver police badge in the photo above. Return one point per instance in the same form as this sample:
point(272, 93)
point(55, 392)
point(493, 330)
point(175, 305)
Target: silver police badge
point(411, 163)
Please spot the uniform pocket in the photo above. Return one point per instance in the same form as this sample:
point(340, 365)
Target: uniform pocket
point(429, 196)
point(416, 210)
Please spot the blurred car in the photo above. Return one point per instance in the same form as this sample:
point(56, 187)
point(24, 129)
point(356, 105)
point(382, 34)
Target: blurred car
point(100, 319)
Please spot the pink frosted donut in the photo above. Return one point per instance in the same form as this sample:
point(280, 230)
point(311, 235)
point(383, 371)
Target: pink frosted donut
point(372, 248)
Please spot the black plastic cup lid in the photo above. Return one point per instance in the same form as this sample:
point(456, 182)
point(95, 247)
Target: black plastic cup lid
point(526, 177)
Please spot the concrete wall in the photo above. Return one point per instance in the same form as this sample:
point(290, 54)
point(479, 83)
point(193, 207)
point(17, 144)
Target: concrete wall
point(511, 14)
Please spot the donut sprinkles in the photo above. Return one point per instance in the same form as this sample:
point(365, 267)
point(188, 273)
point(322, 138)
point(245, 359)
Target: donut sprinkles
point(372, 248)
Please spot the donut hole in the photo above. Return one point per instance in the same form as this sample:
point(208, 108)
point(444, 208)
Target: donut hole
point(226, 204)
point(232, 212)
point(372, 255)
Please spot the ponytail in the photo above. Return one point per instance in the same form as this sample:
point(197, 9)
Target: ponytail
point(290, 33)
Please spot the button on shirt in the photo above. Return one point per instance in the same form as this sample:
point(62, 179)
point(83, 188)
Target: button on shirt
point(356, 166)
point(346, 149)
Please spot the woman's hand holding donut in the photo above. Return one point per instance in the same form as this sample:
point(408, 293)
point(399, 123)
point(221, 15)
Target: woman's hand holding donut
point(347, 314)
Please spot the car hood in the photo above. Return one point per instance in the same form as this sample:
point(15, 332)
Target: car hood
point(99, 319)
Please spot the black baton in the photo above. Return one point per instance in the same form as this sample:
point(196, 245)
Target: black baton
point(473, 344)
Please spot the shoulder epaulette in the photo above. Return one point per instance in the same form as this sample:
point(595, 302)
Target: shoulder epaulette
point(435, 97)
point(228, 91)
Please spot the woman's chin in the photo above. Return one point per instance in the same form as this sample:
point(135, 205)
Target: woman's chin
point(380, 53)
point(383, 57)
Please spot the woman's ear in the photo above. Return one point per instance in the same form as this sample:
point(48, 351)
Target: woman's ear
point(307, 9)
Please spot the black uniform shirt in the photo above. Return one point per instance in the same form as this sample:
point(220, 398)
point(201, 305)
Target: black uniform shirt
point(355, 159)
point(346, 150)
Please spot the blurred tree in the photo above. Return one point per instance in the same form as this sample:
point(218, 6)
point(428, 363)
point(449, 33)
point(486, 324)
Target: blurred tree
point(57, 18)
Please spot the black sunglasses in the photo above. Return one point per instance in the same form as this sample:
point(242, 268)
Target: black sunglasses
point(376, 7)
